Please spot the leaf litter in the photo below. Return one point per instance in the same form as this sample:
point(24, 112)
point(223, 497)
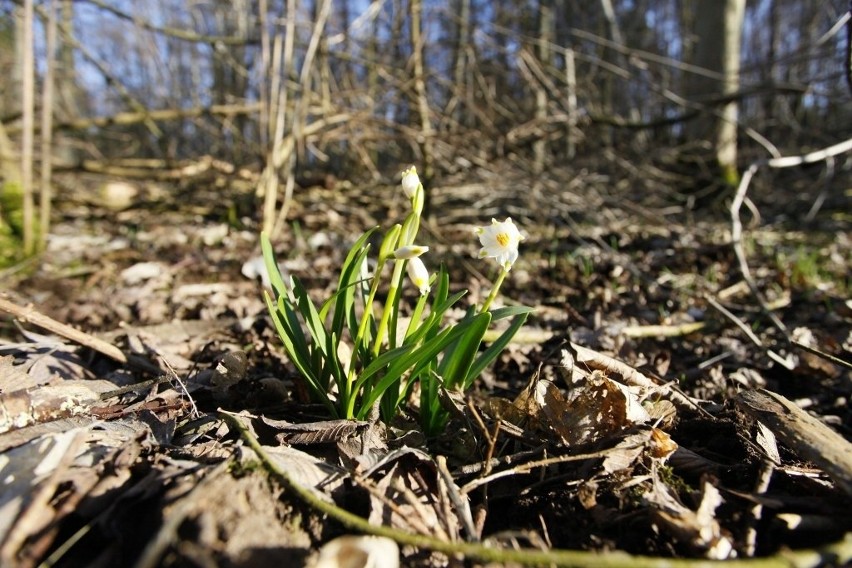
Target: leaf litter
point(616, 426)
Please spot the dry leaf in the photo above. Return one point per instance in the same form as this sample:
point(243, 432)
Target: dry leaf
point(594, 409)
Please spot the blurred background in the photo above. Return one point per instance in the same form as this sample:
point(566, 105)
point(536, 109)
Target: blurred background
point(268, 95)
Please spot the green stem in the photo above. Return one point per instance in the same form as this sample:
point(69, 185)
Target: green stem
point(494, 290)
point(347, 397)
point(368, 312)
point(839, 552)
point(389, 303)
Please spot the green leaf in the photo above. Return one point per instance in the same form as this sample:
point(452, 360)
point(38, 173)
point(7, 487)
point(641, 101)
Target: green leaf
point(300, 357)
point(310, 314)
point(510, 311)
point(418, 359)
point(456, 364)
point(271, 266)
point(346, 286)
point(495, 348)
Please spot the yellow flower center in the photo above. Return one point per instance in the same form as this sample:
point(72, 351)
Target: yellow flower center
point(502, 239)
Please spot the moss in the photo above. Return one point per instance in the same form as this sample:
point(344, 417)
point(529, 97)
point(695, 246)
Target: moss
point(12, 224)
point(730, 175)
point(245, 467)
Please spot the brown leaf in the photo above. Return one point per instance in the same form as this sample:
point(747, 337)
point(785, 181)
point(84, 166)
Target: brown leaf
point(594, 409)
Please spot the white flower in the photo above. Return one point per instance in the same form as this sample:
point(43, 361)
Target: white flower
point(500, 241)
point(410, 181)
point(419, 275)
point(409, 252)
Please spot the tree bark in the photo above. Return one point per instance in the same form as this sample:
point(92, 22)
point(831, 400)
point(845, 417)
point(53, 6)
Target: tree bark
point(545, 38)
point(422, 102)
point(718, 28)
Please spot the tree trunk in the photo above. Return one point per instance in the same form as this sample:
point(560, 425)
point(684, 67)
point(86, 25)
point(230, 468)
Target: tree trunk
point(718, 30)
point(422, 102)
point(545, 38)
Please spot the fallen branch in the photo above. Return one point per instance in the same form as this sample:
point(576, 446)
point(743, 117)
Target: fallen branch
point(125, 118)
point(31, 315)
point(809, 438)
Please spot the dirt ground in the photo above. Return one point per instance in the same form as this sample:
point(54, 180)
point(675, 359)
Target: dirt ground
point(640, 301)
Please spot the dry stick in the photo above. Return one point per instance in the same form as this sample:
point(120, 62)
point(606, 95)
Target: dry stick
point(462, 510)
point(34, 317)
point(839, 553)
point(525, 468)
point(299, 124)
point(737, 321)
point(823, 354)
point(282, 64)
point(764, 475)
point(739, 199)
point(135, 117)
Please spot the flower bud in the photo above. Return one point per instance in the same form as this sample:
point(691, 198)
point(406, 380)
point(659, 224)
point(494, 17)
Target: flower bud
point(419, 275)
point(410, 182)
point(409, 252)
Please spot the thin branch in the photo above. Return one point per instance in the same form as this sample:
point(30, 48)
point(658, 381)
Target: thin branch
point(841, 552)
point(176, 33)
point(143, 115)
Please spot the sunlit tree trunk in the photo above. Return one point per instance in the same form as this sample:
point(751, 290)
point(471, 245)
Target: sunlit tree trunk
point(718, 29)
point(458, 97)
point(28, 114)
point(421, 100)
point(545, 38)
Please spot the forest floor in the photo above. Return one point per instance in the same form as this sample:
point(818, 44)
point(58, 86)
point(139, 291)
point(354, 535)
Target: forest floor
point(638, 298)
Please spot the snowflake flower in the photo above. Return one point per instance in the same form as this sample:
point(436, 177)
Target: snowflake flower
point(500, 242)
point(410, 181)
point(419, 275)
point(409, 252)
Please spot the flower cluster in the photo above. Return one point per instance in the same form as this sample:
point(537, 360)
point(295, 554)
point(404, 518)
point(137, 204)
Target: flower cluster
point(387, 359)
point(499, 240)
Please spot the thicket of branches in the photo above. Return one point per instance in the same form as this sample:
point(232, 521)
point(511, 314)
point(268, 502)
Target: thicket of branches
point(357, 87)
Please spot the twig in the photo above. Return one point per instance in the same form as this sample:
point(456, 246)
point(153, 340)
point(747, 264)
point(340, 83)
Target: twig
point(823, 354)
point(194, 412)
point(736, 321)
point(662, 330)
point(840, 552)
point(749, 333)
point(32, 316)
point(740, 198)
point(764, 475)
point(462, 510)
